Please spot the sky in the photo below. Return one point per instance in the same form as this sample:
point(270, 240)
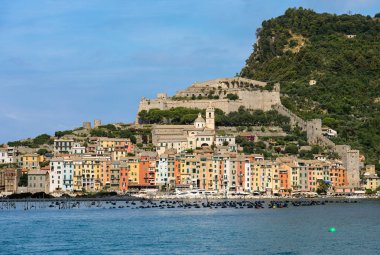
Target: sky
point(65, 62)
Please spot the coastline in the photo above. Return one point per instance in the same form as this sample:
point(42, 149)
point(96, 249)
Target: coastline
point(176, 198)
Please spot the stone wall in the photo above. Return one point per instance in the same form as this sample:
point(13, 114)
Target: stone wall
point(294, 119)
point(220, 86)
point(351, 162)
point(313, 130)
point(249, 97)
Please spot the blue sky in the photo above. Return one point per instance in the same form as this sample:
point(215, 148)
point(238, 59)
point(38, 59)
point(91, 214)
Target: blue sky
point(65, 62)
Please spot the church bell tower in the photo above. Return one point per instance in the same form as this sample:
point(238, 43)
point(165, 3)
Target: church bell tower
point(210, 117)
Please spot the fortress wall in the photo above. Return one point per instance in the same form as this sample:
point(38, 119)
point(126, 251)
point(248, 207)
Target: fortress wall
point(147, 104)
point(255, 100)
point(294, 119)
point(259, 100)
point(326, 142)
point(223, 104)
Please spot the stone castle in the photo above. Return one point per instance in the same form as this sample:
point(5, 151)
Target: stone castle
point(252, 95)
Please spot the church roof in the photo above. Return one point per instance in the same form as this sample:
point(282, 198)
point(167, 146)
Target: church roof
point(200, 119)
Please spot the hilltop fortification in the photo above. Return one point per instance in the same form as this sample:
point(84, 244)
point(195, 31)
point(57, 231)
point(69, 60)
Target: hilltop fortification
point(222, 93)
point(228, 94)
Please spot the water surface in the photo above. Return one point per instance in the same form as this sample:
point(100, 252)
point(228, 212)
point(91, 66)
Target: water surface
point(293, 230)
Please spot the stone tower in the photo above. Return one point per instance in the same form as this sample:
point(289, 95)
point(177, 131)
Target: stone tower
point(350, 160)
point(87, 125)
point(314, 130)
point(210, 117)
point(97, 123)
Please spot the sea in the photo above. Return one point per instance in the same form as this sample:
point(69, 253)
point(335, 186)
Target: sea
point(107, 230)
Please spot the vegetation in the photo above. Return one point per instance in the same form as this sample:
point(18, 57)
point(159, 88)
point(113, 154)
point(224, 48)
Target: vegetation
point(33, 143)
point(42, 151)
point(59, 134)
point(291, 149)
point(117, 132)
point(23, 182)
point(44, 163)
point(323, 187)
point(181, 115)
point(347, 94)
point(199, 97)
point(232, 97)
point(178, 115)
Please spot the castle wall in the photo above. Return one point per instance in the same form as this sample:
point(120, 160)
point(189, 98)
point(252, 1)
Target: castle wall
point(259, 100)
point(294, 119)
point(255, 100)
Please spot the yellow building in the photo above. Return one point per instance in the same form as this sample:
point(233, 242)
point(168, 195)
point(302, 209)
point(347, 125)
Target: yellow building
point(257, 178)
point(31, 161)
point(78, 171)
point(206, 174)
point(133, 166)
point(372, 182)
point(112, 144)
point(118, 154)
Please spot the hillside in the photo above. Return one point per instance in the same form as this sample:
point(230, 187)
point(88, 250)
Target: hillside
point(342, 54)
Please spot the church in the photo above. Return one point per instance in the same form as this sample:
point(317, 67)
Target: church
point(183, 137)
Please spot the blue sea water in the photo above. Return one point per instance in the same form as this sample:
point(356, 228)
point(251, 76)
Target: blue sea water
point(293, 230)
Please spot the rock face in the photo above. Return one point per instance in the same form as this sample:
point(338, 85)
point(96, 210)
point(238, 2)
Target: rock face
point(251, 94)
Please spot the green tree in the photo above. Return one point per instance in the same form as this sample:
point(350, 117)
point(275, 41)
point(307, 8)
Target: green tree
point(346, 71)
point(323, 187)
point(232, 97)
point(42, 151)
point(23, 182)
point(41, 139)
point(291, 149)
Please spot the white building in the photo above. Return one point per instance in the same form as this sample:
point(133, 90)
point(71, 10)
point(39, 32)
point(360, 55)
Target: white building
point(61, 174)
point(5, 158)
point(63, 146)
point(78, 149)
point(226, 140)
point(247, 174)
point(227, 175)
point(162, 170)
point(329, 132)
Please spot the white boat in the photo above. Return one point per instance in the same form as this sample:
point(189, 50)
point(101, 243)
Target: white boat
point(191, 193)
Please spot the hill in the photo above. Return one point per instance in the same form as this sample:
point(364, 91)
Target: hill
point(341, 53)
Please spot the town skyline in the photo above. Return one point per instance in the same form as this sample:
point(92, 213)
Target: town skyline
point(64, 50)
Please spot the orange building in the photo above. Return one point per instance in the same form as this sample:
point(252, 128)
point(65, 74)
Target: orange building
point(177, 171)
point(143, 172)
point(284, 182)
point(124, 169)
point(338, 176)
